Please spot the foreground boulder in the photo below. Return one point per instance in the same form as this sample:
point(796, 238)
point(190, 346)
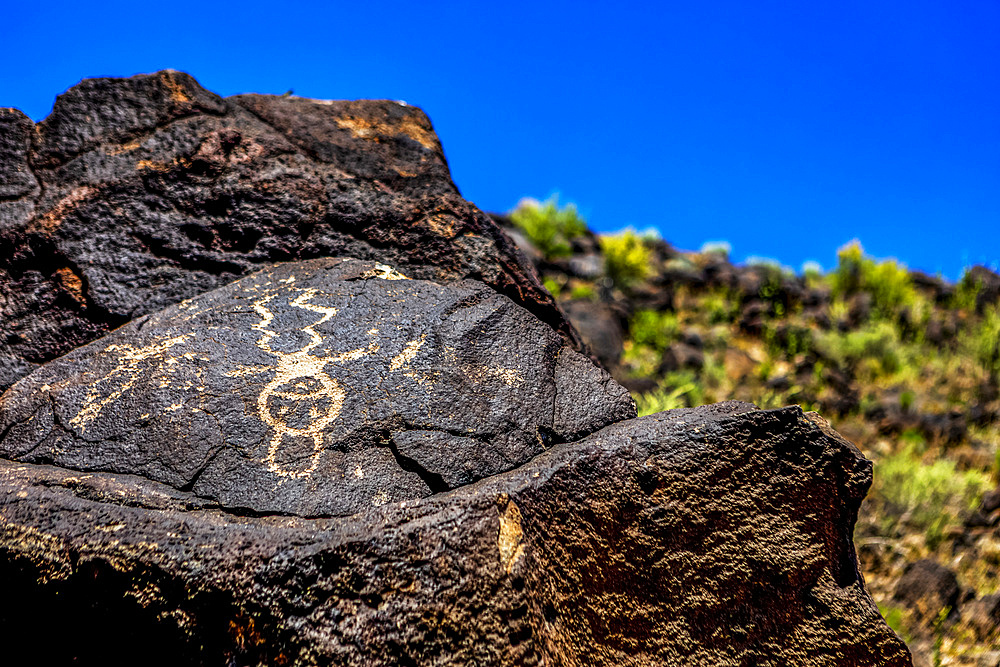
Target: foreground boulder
point(326, 462)
point(314, 388)
point(713, 536)
point(137, 193)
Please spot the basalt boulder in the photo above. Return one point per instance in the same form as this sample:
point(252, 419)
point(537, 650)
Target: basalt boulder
point(401, 459)
point(712, 536)
point(316, 388)
point(134, 194)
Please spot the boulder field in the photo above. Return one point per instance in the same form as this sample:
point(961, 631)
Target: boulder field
point(388, 448)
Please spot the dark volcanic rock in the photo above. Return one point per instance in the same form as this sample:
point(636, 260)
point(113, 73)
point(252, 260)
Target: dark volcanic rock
point(314, 388)
point(928, 587)
point(983, 616)
point(719, 535)
point(137, 193)
point(681, 356)
point(600, 327)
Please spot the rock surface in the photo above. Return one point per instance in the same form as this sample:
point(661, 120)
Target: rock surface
point(928, 588)
point(314, 388)
point(137, 193)
point(400, 459)
point(712, 536)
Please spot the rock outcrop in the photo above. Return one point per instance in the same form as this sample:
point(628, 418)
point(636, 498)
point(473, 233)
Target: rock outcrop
point(719, 535)
point(137, 193)
point(317, 388)
point(395, 458)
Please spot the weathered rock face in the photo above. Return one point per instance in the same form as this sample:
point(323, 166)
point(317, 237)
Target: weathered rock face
point(713, 536)
point(314, 388)
point(137, 193)
point(600, 328)
point(350, 461)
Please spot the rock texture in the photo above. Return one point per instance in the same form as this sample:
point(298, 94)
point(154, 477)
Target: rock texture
point(137, 193)
point(713, 536)
point(398, 458)
point(314, 388)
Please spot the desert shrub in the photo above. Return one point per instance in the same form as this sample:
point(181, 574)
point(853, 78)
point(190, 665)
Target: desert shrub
point(553, 286)
point(718, 248)
point(788, 341)
point(772, 288)
point(767, 263)
point(655, 329)
point(719, 308)
point(812, 272)
point(679, 389)
point(626, 257)
point(928, 496)
point(890, 286)
point(914, 439)
point(966, 292)
point(878, 343)
point(847, 277)
point(640, 360)
point(713, 373)
point(888, 282)
point(939, 620)
point(765, 369)
point(906, 400)
point(987, 342)
point(895, 617)
point(549, 227)
point(583, 291)
point(661, 399)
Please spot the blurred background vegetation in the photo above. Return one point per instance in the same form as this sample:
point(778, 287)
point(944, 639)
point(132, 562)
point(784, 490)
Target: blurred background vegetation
point(904, 364)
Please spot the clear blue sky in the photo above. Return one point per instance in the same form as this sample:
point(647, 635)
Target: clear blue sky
point(785, 128)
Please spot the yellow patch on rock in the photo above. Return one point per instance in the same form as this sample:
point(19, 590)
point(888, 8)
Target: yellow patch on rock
point(374, 129)
point(510, 534)
point(442, 225)
point(124, 148)
point(72, 284)
point(384, 272)
point(149, 165)
point(51, 220)
point(176, 89)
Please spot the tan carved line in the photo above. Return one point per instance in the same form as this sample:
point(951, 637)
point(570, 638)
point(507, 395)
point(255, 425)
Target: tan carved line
point(128, 364)
point(300, 364)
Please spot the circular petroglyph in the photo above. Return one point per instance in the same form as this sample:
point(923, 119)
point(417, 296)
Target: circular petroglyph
point(299, 409)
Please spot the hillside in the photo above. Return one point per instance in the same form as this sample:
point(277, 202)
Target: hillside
point(904, 364)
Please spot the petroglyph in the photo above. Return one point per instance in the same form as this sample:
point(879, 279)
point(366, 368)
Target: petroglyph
point(129, 368)
point(408, 353)
point(301, 400)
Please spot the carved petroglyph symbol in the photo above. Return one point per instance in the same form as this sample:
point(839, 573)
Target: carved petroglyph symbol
point(384, 272)
point(129, 368)
point(301, 400)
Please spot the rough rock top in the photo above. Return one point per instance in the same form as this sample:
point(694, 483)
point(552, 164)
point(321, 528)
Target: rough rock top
point(314, 388)
point(137, 193)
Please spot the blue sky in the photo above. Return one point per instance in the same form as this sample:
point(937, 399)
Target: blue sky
point(784, 128)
